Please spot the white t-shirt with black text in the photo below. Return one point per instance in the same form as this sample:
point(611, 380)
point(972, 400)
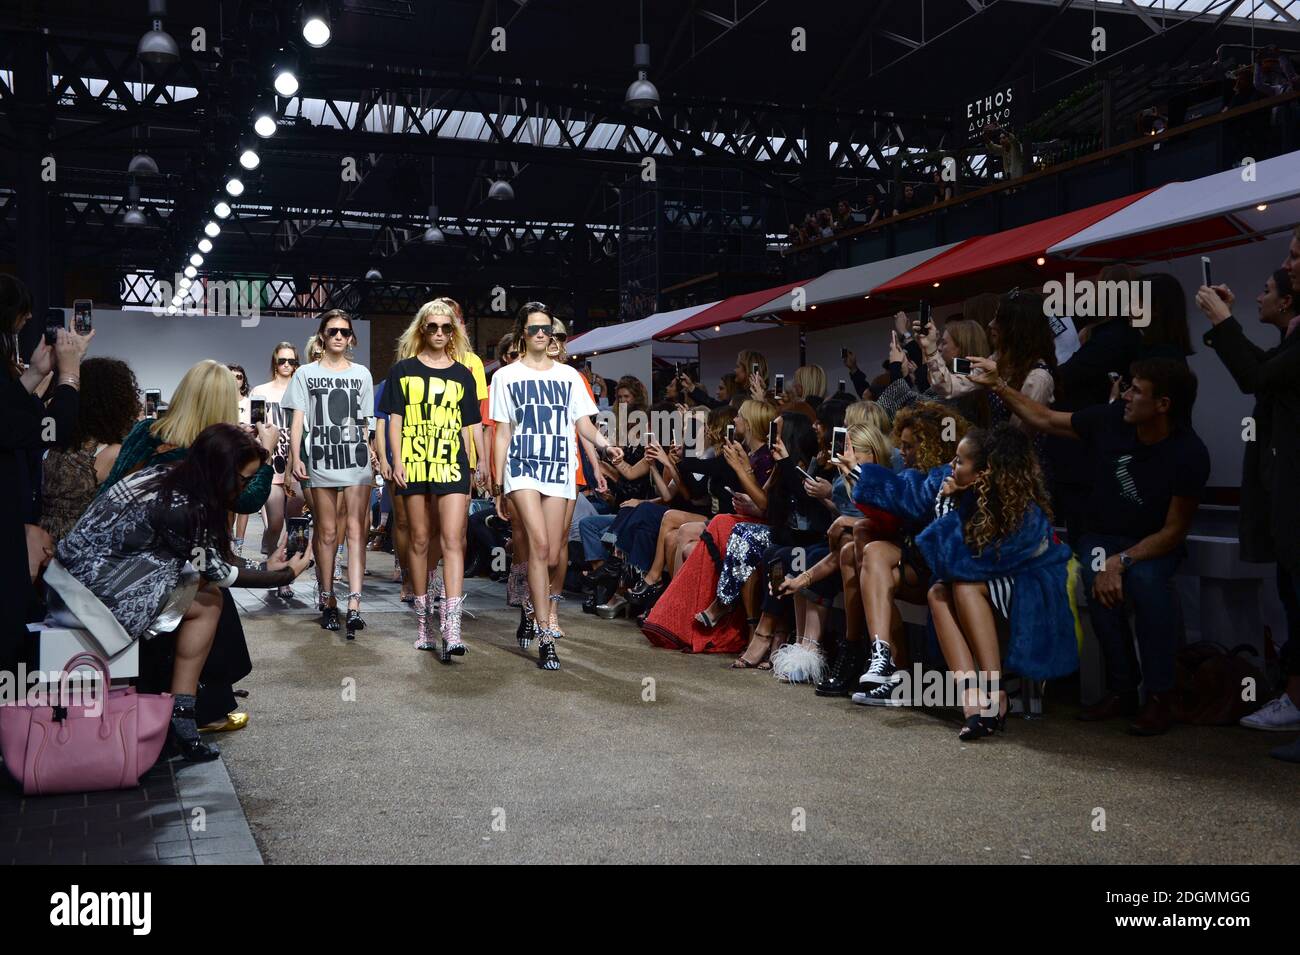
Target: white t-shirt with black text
point(542, 408)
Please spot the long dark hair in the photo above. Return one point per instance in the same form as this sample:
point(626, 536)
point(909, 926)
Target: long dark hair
point(1168, 311)
point(325, 319)
point(521, 321)
point(1024, 337)
point(15, 301)
point(800, 442)
point(195, 495)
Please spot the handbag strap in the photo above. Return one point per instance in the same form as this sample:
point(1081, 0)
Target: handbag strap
point(87, 659)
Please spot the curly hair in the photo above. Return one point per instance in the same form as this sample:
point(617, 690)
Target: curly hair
point(243, 386)
point(1010, 481)
point(110, 401)
point(1024, 337)
point(930, 422)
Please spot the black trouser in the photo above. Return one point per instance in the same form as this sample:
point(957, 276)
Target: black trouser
point(1288, 588)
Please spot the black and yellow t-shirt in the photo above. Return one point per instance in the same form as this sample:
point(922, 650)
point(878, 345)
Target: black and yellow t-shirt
point(435, 404)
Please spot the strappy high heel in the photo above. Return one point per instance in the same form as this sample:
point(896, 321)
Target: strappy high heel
point(329, 619)
point(354, 621)
point(554, 625)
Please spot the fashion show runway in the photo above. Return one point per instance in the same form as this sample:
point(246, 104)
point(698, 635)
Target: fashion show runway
point(489, 759)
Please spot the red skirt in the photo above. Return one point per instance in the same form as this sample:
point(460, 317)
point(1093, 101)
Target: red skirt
point(672, 623)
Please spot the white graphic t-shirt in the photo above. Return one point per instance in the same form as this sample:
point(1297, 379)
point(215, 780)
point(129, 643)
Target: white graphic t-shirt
point(542, 408)
point(338, 414)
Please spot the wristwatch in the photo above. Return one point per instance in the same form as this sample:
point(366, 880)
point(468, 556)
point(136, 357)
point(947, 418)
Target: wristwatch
point(1125, 561)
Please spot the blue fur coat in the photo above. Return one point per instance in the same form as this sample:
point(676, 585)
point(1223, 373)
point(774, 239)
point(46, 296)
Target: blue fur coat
point(1042, 644)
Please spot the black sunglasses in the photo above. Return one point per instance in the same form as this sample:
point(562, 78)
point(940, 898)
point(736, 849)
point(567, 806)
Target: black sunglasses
point(336, 333)
point(433, 328)
point(287, 361)
point(560, 337)
point(532, 330)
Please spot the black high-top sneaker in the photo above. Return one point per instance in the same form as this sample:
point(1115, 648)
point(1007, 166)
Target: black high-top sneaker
point(881, 668)
point(844, 673)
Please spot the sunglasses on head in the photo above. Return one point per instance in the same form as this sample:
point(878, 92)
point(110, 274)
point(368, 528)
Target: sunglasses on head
point(287, 361)
point(532, 330)
point(336, 333)
point(436, 328)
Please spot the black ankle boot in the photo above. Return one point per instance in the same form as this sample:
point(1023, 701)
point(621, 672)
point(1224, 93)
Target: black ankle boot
point(843, 678)
point(183, 734)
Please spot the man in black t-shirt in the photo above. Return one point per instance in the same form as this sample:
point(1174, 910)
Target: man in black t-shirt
point(1149, 470)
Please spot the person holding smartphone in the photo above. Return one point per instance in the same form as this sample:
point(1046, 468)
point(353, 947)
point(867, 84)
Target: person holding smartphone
point(541, 406)
point(283, 499)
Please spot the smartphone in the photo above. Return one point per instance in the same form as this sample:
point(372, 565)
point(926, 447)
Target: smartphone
point(152, 399)
point(780, 384)
point(804, 473)
point(1113, 376)
point(924, 314)
point(257, 410)
point(844, 354)
point(961, 366)
point(1205, 271)
point(83, 310)
point(842, 388)
point(771, 434)
point(299, 534)
point(775, 576)
point(731, 432)
point(53, 322)
point(839, 441)
point(677, 369)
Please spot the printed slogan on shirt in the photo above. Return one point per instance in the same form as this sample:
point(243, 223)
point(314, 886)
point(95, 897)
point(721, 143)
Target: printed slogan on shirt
point(539, 444)
point(337, 439)
point(431, 429)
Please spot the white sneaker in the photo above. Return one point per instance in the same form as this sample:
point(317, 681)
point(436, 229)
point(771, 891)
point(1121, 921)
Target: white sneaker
point(1278, 715)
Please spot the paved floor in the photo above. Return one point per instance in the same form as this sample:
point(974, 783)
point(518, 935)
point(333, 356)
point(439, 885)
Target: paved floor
point(374, 752)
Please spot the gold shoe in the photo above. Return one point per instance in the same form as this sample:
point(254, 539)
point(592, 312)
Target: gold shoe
point(235, 721)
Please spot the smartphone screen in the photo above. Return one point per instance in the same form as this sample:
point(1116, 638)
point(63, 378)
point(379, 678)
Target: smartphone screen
point(152, 399)
point(298, 535)
point(753, 369)
point(83, 310)
point(776, 576)
point(924, 314)
point(1205, 271)
point(780, 384)
point(771, 434)
point(731, 432)
point(53, 322)
point(257, 412)
point(961, 366)
point(842, 389)
point(839, 441)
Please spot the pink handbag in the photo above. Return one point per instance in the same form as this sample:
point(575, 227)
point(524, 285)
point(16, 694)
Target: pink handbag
point(109, 744)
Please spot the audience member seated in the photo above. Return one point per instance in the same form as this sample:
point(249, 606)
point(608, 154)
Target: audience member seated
point(1150, 469)
point(149, 554)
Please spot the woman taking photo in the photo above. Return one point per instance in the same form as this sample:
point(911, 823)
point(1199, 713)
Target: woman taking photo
point(433, 419)
point(540, 407)
point(284, 362)
point(24, 546)
point(332, 404)
point(123, 572)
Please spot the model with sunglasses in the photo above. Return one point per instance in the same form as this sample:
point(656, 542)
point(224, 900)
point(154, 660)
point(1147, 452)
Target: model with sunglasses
point(433, 419)
point(284, 362)
point(540, 407)
point(332, 403)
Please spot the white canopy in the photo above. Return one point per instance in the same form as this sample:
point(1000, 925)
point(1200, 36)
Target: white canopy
point(1242, 204)
point(851, 283)
point(629, 334)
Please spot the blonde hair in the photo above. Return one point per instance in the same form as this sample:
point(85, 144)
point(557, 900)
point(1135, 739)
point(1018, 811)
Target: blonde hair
point(811, 380)
point(867, 412)
point(757, 414)
point(207, 395)
point(968, 338)
point(411, 341)
point(559, 328)
point(868, 438)
point(314, 349)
